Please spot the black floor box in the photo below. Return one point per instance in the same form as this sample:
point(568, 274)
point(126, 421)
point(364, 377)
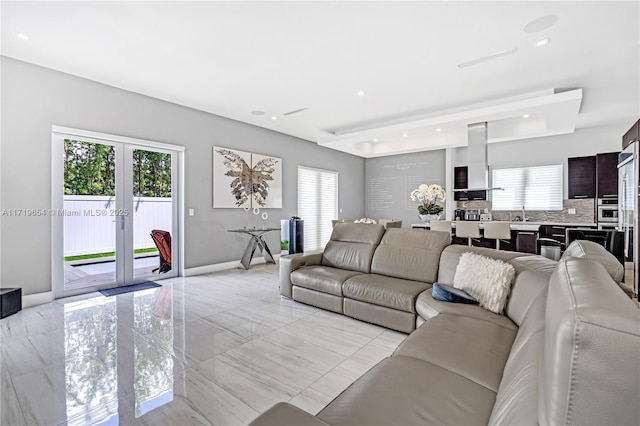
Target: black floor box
point(10, 301)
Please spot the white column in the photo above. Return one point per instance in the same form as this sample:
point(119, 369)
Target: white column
point(450, 160)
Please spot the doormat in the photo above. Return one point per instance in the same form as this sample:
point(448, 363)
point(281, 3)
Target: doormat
point(129, 288)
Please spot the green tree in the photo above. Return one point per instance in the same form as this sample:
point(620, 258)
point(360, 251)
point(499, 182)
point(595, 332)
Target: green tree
point(151, 174)
point(89, 169)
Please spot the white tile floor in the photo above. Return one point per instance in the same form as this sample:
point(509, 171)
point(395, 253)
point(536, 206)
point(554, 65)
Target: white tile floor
point(212, 349)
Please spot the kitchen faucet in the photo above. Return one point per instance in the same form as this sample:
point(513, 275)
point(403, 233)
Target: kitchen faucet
point(524, 215)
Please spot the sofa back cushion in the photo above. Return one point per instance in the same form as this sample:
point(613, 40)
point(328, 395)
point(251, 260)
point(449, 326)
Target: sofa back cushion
point(411, 254)
point(594, 251)
point(590, 365)
point(532, 278)
point(450, 258)
point(517, 398)
point(352, 245)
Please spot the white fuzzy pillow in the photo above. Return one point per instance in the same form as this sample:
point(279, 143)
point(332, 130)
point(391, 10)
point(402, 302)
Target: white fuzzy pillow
point(488, 280)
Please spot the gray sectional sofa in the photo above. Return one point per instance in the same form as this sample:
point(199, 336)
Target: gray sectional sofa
point(367, 273)
point(566, 350)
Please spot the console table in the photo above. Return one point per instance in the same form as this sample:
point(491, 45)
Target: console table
point(255, 241)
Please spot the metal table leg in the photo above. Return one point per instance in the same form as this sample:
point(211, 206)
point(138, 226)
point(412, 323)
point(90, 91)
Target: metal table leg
point(248, 252)
point(264, 248)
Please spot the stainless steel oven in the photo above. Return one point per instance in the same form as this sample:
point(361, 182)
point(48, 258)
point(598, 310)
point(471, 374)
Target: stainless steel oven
point(607, 211)
point(608, 214)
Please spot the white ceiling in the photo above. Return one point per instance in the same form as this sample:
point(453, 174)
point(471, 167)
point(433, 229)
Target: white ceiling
point(231, 58)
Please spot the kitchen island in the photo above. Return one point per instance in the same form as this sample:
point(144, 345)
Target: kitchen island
point(525, 236)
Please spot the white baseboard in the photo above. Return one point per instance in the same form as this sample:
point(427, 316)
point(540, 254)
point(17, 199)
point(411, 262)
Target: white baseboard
point(37, 299)
point(206, 269)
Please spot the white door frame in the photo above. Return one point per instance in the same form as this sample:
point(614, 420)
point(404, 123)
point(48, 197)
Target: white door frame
point(127, 144)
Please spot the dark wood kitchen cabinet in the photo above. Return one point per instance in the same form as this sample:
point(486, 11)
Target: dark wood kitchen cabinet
point(461, 181)
point(527, 242)
point(607, 175)
point(632, 135)
point(582, 177)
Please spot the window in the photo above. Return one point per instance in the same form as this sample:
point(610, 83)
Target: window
point(317, 205)
point(535, 188)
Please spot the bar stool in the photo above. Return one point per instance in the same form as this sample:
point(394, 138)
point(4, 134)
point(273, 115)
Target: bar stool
point(440, 225)
point(390, 223)
point(498, 231)
point(468, 230)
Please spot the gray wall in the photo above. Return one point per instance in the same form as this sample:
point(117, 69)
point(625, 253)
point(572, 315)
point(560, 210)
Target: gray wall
point(389, 181)
point(35, 98)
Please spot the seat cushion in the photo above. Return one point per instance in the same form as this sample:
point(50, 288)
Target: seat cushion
point(476, 350)
point(407, 391)
point(427, 307)
point(283, 414)
point(384, 291)
point(322, 278)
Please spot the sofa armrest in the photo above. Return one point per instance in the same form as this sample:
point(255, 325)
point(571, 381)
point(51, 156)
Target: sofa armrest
point(290, 263)
point(283, 414)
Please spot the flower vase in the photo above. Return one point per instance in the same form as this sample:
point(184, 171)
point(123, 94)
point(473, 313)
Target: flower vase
point(428, 217)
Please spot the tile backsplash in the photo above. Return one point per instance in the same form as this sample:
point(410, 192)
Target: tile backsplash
point(585, 211)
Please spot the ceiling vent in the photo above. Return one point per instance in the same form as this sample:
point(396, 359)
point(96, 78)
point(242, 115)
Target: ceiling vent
point(295, 111)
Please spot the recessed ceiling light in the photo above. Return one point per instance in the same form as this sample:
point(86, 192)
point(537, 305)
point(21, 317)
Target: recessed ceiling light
point(541, 23)
point(273, 117)
point(22, 36)
point(404, 135)
point(375, 139)
point(439, 129)
point(543, 42)
point(525, 116)
point(258, 112)
point(360, 93)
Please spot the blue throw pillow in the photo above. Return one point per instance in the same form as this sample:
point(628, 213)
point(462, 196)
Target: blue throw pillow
point(448, 293)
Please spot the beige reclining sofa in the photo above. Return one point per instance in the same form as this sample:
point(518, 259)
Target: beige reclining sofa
point(566, 350)
point(367, 273)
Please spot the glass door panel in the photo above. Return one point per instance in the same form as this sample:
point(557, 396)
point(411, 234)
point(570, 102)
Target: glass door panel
point(89, 214)
point(152, 214)
point(115, 214)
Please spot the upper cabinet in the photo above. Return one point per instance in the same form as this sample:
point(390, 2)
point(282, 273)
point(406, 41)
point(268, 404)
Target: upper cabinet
point(607, 175)
point(632, 135)
point(582, 177)
point(461, 181)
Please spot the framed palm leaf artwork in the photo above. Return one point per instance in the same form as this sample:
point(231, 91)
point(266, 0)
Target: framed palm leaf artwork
point(244, 179)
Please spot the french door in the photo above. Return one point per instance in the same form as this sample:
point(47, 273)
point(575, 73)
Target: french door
point(115, 211)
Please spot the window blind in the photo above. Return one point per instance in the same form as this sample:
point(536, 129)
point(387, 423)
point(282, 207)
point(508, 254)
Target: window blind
point(317, 205)
point(535, 188)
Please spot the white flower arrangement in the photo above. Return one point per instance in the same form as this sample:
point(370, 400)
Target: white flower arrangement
point(428, 196)
point(365, 220)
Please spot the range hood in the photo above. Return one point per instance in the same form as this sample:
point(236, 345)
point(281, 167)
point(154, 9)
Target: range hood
point(478, 169)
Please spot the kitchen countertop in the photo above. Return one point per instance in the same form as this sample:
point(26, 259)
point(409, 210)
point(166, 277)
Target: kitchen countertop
point(519, 226)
